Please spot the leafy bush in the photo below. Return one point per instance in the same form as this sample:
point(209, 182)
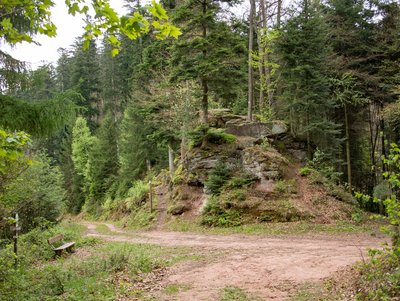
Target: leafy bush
point(324, 164)
point(305, 171)
point(215, 215)
point(244, 180)
point(203, 134)
point(217, 178)
point(285, 186)
point(340, 193)
point(380, 278)
point(137, 194)
point(38, 194)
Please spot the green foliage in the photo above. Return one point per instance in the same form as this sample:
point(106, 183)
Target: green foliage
point(236, 294)
point(204, 134)
point(37, 194)
point(305, 171)
point(95, 276)
point(24, 19)
point(285, 187)
point(12, 157)
point(323, 162)
point(391, 202)
point(215, 215)
point(357, 216)
point(82, 145)
point(307, 57)
point(178, 175)
point(215, 58)
point(39, 118)
point(380, 278)
point(217, 178)
point(243, 180)
point(137, 194)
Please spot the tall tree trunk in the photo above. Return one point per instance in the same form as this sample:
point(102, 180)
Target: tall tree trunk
point(204, 83)
point(348, 159)
point(261, 71)
point(171, 161)
point(279, 14)
point(261, 51)
point(250, 68)
point(382, 133)
point(204, 101)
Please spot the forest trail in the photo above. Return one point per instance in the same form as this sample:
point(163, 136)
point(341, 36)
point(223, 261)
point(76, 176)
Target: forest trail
point(160, 191)
point(271, 268)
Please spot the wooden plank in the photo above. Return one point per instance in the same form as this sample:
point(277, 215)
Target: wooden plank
point(65, 246)
point(55, 238)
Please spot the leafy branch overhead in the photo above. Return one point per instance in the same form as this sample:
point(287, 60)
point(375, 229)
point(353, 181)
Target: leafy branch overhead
point(20, 20)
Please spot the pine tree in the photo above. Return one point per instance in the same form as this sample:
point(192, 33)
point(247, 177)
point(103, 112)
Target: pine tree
point(306, 55)
point(206, 50)
point(85, 80)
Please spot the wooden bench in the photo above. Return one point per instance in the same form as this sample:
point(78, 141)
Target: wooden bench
point(69, 246)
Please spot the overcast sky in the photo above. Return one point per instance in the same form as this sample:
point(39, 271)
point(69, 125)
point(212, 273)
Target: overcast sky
point(68, 28)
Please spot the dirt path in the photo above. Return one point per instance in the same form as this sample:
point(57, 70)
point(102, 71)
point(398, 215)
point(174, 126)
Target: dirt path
point(162, 206)
point(267, 267)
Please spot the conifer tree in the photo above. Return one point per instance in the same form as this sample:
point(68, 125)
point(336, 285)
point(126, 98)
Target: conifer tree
point(85, 80)
point(306, 54)
point(206, 50)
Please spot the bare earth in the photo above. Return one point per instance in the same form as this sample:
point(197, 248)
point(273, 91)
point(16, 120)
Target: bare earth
point(270, 268)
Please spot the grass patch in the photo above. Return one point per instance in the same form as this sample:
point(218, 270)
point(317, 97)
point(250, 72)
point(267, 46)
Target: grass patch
point(273, 229)
point(232, 293)
point(176, 288)
point(307, 292)
point(97, 271)
point(204, 134)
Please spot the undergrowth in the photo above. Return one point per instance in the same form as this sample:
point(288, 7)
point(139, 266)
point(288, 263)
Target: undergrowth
point(204, 134)
point(380, 277)
point(102, 272)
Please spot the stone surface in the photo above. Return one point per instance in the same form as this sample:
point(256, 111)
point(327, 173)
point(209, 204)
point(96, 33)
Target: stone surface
point(255, 129)
point(264, 164)
point(219, 117)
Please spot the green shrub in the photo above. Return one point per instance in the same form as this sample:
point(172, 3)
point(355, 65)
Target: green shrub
point(380, 278)
point(285, 186)
point(339, 193)
point(118, 261)
point(357, 216)
point(305, 171)
point(179, 175)
point(137, 194)
point(215, 215)
point(217, 178)
point(204, 133)
point(244, 180)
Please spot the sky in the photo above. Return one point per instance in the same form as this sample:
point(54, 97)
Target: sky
point(68, 29)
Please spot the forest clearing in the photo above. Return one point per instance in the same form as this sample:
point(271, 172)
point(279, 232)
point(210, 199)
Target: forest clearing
point(265, 268)
point(200, 150)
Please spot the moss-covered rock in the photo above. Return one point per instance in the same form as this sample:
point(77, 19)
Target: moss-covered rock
point(178, 209)
point(266, 164)
point(255, 129)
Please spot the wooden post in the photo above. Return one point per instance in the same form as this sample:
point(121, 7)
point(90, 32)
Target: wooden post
point(151, 196)
point(16, 229)
point(171, 161)
point(150, 186)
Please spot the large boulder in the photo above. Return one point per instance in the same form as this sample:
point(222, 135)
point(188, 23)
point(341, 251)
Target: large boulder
point(219, 117)
point(200, 161)
point(255, 129)
point(266, 164)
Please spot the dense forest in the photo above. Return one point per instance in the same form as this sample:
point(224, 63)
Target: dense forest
point(330, 70)
point(88, 133)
